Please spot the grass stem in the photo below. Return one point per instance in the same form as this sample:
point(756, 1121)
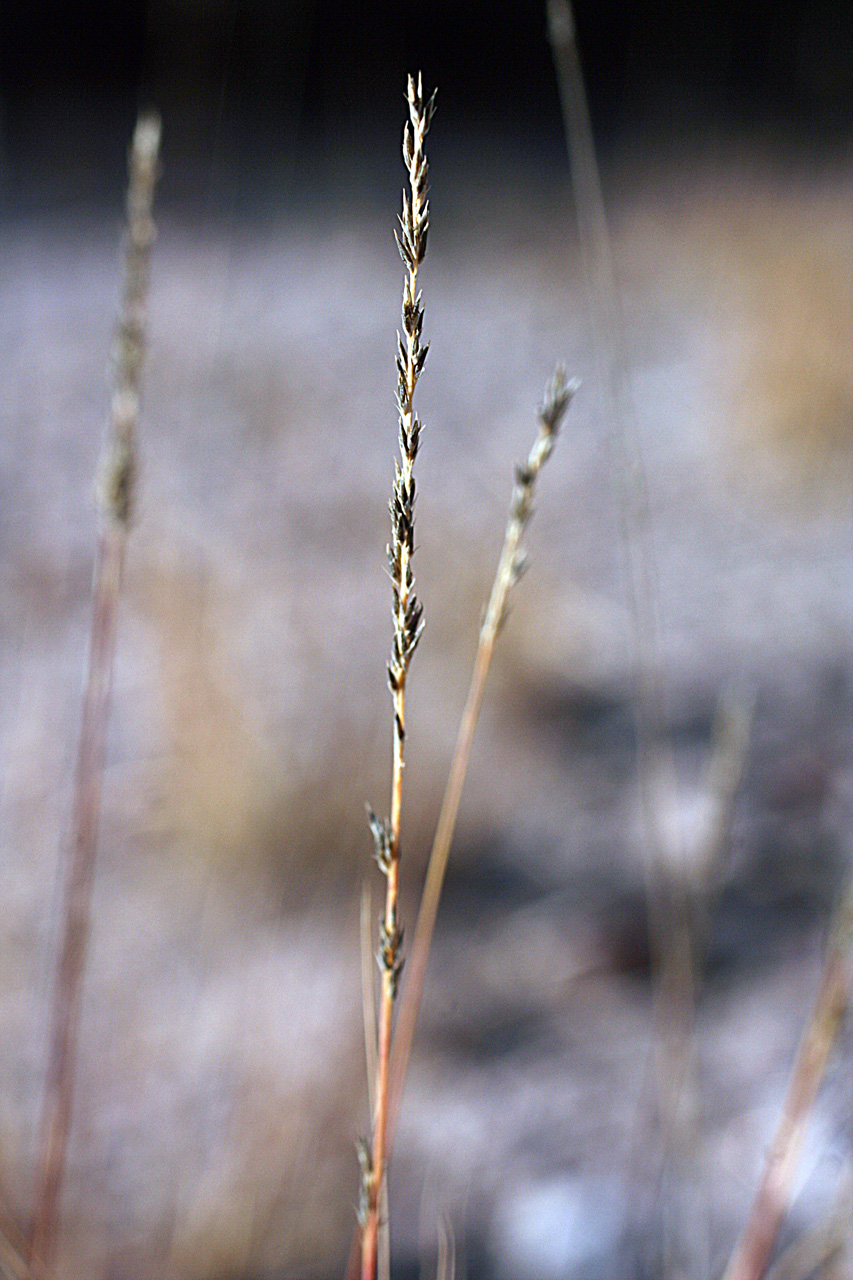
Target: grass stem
point(511, 565)
point(408, 626)
point(115, 493)
point(752, 1253)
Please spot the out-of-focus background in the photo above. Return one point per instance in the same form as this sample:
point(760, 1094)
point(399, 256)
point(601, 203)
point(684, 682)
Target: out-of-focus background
point(550, 1127)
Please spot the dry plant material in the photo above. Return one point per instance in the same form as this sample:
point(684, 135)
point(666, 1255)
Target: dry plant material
point(511, 565)
point(408, 626)
point(810, 1252)
point(752, 1252)
point(115, 492)
point(668, 905)
point(392, 1061)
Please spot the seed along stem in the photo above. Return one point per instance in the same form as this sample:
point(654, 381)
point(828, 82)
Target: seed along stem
point(408, 626)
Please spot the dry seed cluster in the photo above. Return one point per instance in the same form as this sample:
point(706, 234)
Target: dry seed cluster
point(118, 464)
point(411, 357)
point(407, 615)
point(407, 610)
point(556, 400)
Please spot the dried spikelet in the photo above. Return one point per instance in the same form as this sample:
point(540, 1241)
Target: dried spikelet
point(513, 562)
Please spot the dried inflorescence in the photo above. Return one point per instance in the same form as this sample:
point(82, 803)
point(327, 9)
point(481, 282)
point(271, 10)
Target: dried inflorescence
point(411, 357)
point(115, 491)
point(118, 464)
point(407, 610)
point(408, 626)
point(556, 400)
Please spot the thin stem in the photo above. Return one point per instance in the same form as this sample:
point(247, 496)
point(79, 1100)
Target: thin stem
point(511, 565)
point(668, 908)
point(116, 487)
point(815, 1247)
point(408, 625)
point(752, 1252)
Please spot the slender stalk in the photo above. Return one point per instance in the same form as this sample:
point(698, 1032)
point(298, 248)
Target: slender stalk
point(368, 997)
point(668, 907)
point(752, 1252)
point(408, 626)
point(809, 1253)
point(511, 565)
point(115, 493)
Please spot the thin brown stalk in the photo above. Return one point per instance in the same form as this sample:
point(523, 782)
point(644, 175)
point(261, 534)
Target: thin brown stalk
point(511, 565)
point(368, 999)
point(408, 625)
point(115, 492)
point(752, 1252)
point(668, 907)
point(810, 1252)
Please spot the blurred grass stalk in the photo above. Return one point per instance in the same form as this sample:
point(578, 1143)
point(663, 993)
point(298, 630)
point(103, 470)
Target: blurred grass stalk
point(388, 1067)
point(752, 1253)
point(511, 564)
point(669, 906)
point(672, 897)
point(670, 910)
point(115, 494)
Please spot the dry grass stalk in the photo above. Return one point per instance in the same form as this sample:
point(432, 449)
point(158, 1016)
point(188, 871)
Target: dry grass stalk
point(810, 1253)
point(752, 1252)
point(613, 375)
point(511, 564)
point(668, 906)
point(408, 625)
point(368, 999)
point(115, 495)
